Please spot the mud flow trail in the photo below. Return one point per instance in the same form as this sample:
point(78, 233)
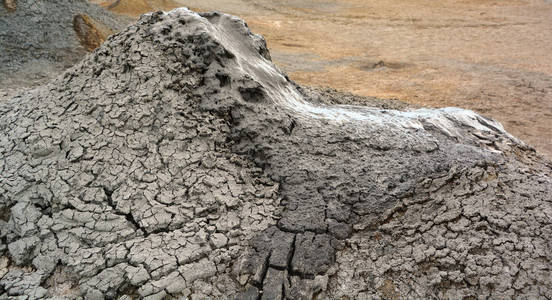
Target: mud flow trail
point(492, 57)
point(177, 161)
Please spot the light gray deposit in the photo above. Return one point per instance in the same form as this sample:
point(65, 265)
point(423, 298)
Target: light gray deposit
point(176, 161)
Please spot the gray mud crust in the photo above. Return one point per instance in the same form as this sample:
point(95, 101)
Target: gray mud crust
point(176, 161)
point(38, 39)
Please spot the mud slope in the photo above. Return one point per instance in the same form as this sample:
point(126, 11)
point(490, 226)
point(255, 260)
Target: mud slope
point(177, 161)
point(39, 39)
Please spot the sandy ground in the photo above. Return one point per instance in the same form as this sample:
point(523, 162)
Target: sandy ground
point(494, 57)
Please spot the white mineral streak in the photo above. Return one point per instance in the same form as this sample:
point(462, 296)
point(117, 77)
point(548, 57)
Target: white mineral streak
point(281, 91)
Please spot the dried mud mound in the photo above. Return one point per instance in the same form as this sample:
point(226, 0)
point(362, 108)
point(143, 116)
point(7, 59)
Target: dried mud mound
point(177, 161)
point(39, 39)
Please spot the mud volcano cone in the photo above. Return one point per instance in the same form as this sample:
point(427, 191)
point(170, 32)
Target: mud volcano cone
point(177, 161)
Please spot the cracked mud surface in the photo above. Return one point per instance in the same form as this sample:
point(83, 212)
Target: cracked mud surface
point(177, 161)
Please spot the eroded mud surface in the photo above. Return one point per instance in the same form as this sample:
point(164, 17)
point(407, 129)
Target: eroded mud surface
point(177, 161)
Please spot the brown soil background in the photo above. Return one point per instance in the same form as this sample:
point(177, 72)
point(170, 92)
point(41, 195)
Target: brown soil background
point(494, 57)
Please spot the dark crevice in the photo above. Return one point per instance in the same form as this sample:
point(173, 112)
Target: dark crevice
point(264, 270)
point(128, 216)
point(280, 268)
point(292, 126)
point(156, 231)
point(46, 210)
point(290, 258)
point(224, 79)
point(252, 94)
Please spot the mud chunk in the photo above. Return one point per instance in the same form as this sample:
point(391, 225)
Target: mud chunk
point(24, 218)
point(282, 248)
point(273, 284)
point(339, 230)
point(305, 288)
point(218, 240)
point(200, 270)
point(22, 250)
point(251, 293)
point(313, 254)
point(19, 283)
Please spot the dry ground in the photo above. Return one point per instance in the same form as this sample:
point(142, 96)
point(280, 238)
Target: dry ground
point(494, 57)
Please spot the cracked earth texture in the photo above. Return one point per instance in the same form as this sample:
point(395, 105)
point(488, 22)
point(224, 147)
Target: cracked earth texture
point(177, 161)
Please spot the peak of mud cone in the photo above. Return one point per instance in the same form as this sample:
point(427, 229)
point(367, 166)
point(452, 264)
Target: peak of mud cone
point(218, 50)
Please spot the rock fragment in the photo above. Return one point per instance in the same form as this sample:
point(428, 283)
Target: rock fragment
point(10, 5)
point(90, 32)
point(40, 39)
